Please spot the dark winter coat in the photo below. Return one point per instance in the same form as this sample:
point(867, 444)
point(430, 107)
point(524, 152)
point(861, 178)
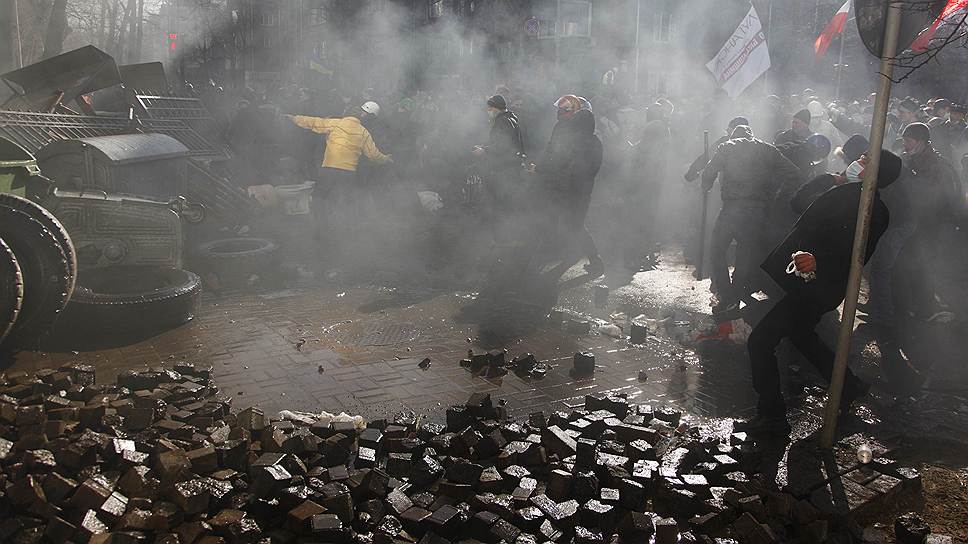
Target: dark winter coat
point(786, 137)
point(571, 161)
point(826, 229)
point(588, 159)
point(750, 170)
point(934, 188)
point(505, 146)
point(800, 154)
point(811, 191)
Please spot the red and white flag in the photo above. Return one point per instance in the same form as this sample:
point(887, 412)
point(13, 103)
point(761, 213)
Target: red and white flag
point(743, 58)
point(924, 38)
point(835, 27)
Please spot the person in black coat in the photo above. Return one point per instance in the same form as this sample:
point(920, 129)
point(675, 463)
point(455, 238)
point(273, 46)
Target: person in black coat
point(697, 165)
point(566, 177)
point(821, 244)
point(503, 154)
point(799, 129)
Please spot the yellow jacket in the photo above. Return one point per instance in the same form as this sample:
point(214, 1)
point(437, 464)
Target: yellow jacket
point(346, 139)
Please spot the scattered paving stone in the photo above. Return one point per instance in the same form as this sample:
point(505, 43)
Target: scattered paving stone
point(158, 457)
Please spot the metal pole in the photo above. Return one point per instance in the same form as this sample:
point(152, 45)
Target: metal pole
point(768, 34)
point(559, 28)
point(20, 43)
point(638, 10)
point(705, 212)
point(891, 30)
point(840, 64)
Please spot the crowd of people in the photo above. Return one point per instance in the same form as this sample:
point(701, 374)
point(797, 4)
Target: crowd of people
point(788, 169)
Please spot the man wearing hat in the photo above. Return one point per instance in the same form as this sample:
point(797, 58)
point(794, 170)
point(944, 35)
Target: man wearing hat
point(751, 174)
point(948, 135)
point(937, 201)
point(697, 165)
point(503, 154)
point(812, 265)
point(908, 111)
point(799, 129)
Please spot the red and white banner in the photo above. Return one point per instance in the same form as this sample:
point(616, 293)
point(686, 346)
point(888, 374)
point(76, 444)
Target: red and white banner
point(744, 57)
point(924, 38)
point(835, 27)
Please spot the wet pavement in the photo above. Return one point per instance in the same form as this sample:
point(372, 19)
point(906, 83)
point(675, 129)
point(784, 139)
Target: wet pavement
point(357, 349)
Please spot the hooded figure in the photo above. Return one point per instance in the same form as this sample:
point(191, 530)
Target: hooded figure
point(751, 174)
point(852, 150)
point(820, 243)
point(567, 175)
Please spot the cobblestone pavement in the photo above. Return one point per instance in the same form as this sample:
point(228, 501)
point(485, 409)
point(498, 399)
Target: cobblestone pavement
point(357, 350)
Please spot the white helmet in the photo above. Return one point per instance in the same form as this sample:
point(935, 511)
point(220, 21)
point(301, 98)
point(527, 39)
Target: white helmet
point(371, 107)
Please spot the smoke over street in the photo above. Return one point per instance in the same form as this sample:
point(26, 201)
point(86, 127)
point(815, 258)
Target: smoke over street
point(440, 271)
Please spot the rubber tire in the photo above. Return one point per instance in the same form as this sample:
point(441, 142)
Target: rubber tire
point(45, 273)
point(160, 299)
point(11, 289)
point(52, 224)
point(234, 265)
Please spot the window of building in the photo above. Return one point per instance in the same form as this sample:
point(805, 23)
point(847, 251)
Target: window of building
point(663, 26)
point(267, 41)
point(317, 16)
point(268, 19)
point(575, 18)
point(436, 9)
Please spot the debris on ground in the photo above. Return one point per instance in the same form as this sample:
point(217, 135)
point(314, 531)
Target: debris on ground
point(159, 456)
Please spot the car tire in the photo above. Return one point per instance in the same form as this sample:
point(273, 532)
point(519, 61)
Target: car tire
point(133, 298)
point(45, 272)
point(11, 289)
point(55, 227)
point(234, 260)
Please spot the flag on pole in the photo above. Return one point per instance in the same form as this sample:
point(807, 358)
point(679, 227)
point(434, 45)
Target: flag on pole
point(744, 57)
point(924, 38)
point(835, 27)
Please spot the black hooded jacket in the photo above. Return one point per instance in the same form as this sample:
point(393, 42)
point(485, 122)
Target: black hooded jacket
point(505, 145)
point(571, 161)
point(826, 230)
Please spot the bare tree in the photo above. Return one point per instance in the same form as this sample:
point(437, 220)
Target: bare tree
point(8, 36)
point(56, 29)
point(951, 33)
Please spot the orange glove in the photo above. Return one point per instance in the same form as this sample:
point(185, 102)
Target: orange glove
point(805, 262)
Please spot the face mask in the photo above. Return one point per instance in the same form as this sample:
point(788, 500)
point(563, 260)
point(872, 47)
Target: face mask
point(855, 172)
point(491, 114)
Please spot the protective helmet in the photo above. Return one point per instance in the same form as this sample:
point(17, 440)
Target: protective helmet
point(585, 104)
point(821, 143)
point(567, 106)
point(816, 109)
point(371, 107)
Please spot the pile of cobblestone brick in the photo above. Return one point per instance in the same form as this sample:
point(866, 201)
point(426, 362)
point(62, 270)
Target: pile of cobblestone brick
point(160, 457)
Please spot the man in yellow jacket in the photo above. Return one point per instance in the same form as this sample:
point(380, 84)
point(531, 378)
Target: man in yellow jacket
point(336, 197)
point(346, 139)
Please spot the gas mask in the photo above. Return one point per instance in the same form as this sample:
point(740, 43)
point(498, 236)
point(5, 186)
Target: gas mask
point(855, 172)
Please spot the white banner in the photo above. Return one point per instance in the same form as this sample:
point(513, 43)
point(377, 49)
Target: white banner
point(744, 58)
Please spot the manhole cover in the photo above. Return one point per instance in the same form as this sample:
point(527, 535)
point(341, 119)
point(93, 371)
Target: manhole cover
point(388, 335)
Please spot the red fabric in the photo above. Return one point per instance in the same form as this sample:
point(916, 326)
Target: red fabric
point(924, 38)
point(835, 27)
